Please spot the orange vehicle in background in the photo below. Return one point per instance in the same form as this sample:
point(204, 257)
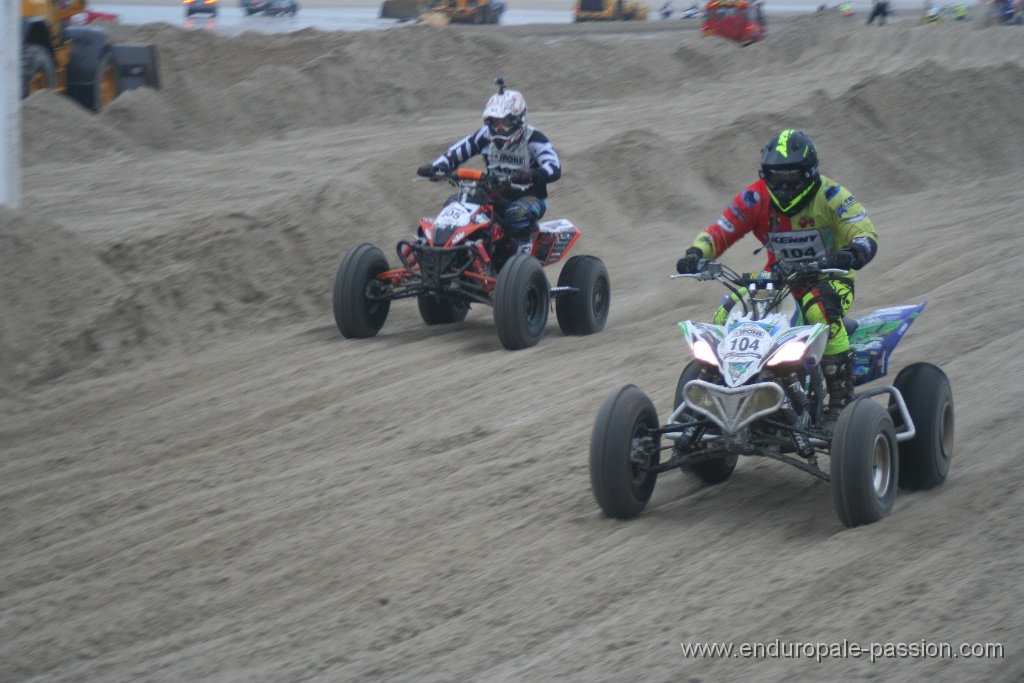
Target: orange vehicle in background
point(739, 20)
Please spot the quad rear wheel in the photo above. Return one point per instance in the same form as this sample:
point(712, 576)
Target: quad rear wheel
point(924, 460)
point(622, 448)
point(357, 315)
point(864, 465)
point(715, 470)
point(584, 311)
point(521, 298)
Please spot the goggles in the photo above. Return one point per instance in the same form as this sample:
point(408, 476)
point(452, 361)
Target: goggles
point(791, 179)
point(502, 126)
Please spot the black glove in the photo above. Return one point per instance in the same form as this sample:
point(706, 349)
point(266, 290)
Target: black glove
point(427, 170)
point(689, 263)
point(521, 176)
point(844, 259)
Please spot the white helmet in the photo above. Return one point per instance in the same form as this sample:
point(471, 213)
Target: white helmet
point(505, 116)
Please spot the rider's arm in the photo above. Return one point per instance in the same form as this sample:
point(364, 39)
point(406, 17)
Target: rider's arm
point(747, 210)
point(853, 230)
point(543, 158)
point(465, 149)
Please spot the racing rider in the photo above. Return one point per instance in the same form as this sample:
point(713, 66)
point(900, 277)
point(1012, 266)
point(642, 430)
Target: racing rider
point(799, 214)
point(508, 144)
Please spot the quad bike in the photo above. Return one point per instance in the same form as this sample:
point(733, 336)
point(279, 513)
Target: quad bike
point(463, 257)
point(755, 388)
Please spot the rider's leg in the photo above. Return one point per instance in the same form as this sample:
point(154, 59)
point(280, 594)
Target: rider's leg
point(827, 303)
point(521, 217)
point(728, 302)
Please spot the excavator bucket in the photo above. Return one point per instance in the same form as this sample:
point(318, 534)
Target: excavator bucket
point(403, 10)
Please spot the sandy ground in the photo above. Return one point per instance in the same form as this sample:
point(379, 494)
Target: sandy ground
point(201, 480)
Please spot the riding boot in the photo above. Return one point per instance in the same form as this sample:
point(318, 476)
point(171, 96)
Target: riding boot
point(522, 246)
point(838, 369)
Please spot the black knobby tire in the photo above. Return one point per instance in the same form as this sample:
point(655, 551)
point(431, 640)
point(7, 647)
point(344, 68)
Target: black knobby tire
point(864, 463)
point(439, 310)
point(102, 87)
point(356, 315)
point(38, 72)
point(107, 85)
point(715, 470)
point(620, 486)
point(924, 460)
point(521, 298)
point(586, 311)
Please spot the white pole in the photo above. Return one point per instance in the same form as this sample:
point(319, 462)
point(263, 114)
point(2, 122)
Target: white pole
point(10, 104)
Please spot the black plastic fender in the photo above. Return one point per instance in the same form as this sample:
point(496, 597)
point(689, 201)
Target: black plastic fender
point(33, 30)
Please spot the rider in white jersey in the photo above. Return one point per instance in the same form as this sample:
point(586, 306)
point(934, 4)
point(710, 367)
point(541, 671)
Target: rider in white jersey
point(508, 144)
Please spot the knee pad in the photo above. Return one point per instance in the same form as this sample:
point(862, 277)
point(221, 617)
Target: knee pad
point(519, 226)
point(521, 217)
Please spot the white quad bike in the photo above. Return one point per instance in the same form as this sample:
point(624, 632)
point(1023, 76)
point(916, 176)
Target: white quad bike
point(756, 388)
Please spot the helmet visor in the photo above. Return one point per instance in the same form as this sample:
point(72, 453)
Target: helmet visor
point(503, 126)
point(786, 184)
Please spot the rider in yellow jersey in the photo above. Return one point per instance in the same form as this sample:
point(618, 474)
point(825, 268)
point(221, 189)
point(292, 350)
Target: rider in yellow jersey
point(799, 214)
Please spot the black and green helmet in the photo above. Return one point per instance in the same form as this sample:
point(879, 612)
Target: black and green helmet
point(789, 167)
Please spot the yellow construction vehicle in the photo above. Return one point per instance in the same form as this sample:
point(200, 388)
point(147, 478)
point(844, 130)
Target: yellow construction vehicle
point(442, 12)
point(78, 60)
point(467, 11)
point(610, 10)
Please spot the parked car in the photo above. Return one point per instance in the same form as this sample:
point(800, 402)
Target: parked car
point(271, 8)
point(200, 7)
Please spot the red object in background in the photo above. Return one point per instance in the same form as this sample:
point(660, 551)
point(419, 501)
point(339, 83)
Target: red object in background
point(737, 20)
point(89, 16)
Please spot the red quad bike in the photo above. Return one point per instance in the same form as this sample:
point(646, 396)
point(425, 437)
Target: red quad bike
point(461, 257)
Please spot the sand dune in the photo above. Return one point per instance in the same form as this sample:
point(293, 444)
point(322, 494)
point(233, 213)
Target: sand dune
point(201, 480)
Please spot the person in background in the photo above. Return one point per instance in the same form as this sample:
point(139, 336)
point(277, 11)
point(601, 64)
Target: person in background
point(880, 10)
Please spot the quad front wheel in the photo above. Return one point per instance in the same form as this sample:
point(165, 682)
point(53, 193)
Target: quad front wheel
point(715, 470)
point(864, 465)
point(585, 310)
point(521, 298)
point(924, 460)
point(357, 314)
point(623, 446)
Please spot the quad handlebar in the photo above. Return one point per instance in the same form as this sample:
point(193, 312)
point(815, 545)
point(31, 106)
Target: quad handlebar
point(453, 176)
point(782, 275)
point(772, 286)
